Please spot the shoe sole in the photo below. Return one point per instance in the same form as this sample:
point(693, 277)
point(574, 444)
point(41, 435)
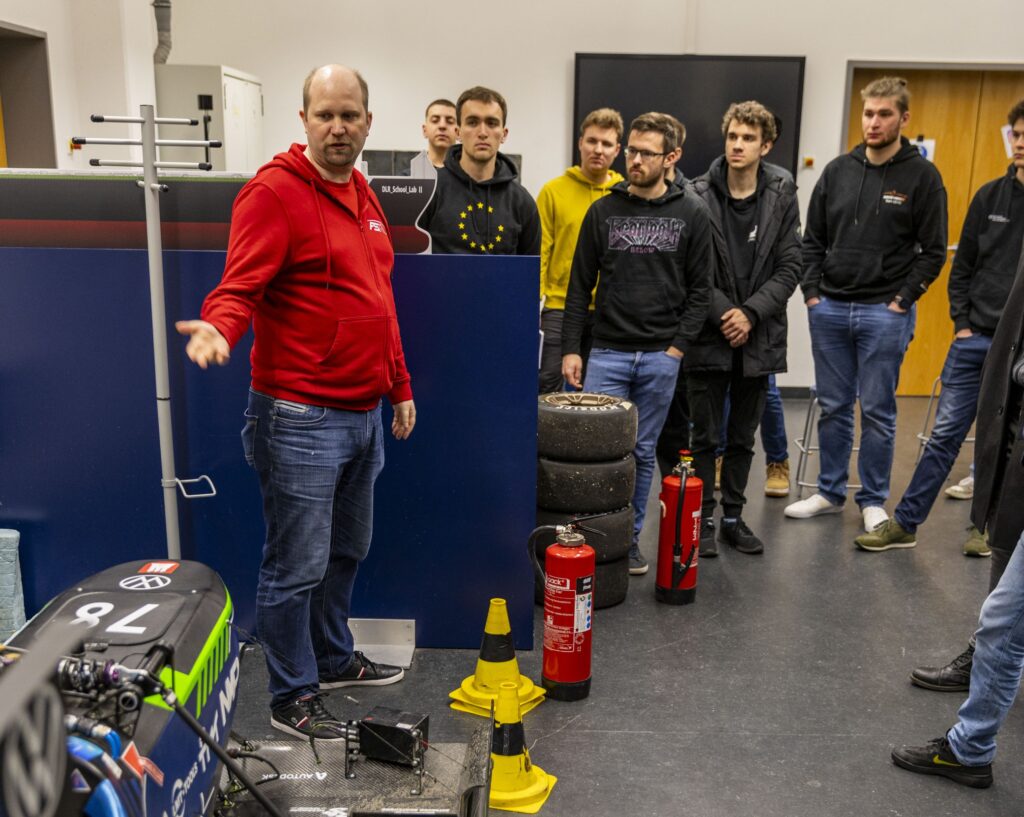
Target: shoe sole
point(291, 730)
point(639, 571)
point(711, 554)
point(823, 512)
point(776, 491)
point(936, 688)
point(950, 774)
point(890, 546)
point(960, 496)
point(974, 554)
point(360, 682)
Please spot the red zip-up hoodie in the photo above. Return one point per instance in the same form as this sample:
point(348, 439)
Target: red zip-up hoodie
point(314, 278)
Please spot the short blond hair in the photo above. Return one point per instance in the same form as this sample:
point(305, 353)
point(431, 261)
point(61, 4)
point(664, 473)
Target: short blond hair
point(888, 87)
point(603, 118)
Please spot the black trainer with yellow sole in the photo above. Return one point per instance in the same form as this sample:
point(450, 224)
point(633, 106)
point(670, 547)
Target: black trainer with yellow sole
point(936, 757)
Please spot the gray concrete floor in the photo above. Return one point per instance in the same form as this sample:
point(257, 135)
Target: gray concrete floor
point(781, 691)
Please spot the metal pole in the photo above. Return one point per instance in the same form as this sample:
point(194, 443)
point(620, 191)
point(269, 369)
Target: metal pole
point(151, 191)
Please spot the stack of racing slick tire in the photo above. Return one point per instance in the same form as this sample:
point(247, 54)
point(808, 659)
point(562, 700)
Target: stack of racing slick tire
point(585, 467)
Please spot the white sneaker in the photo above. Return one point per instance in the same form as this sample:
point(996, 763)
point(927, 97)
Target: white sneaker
point(874, 515)
point(964, 489)
point(815, 505)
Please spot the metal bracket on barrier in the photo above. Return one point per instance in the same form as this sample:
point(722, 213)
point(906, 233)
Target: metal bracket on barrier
point(181, 483)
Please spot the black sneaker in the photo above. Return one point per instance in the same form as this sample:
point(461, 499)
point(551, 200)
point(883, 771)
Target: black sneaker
point(954, 677)
point(307, 717)
point(708, 548)
point(937, 757)
point(740, 537)
point(362, 672)
point(637, 562)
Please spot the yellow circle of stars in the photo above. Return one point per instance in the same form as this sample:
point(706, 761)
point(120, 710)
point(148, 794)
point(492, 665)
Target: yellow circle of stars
point(478, 245)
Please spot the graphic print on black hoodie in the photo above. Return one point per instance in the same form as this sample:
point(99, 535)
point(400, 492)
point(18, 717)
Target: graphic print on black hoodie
point(493, 217)
point(875, 231)
point(650, 260)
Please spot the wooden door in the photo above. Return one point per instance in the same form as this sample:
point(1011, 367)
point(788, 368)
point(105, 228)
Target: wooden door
point(962, 110)
point(3, 142)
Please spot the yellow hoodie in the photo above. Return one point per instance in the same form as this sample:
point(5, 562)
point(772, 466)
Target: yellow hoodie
point(563, 202)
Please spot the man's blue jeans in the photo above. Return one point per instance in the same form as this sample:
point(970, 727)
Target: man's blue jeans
point(996, 672)
point(648, 379)
point(858, 349)
point(958, 403)
point(316, 468)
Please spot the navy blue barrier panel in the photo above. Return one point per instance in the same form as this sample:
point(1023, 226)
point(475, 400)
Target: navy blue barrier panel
point(79, 463)
point(79, 455)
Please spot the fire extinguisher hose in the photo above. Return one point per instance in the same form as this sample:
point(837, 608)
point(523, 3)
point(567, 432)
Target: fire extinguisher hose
point(531, 546)
point(679, 571)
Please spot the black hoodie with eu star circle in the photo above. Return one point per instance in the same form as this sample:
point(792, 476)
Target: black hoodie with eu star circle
point(875, 231)
point(492, 217)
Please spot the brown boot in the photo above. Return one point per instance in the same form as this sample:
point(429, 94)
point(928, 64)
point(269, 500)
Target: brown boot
point(776, 481)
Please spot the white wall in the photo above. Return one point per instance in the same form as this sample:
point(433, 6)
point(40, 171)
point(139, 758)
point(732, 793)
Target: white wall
point(101, 61)
point(410, 55)
point(54, 18)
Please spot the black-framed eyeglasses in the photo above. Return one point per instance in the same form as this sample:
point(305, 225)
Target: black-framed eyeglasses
point(646, 155)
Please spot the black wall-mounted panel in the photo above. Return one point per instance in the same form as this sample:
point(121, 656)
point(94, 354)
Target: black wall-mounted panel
point(696, 89)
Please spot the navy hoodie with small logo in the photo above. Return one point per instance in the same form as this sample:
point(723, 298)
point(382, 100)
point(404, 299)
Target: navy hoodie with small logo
point(492, 217)
point(875, 231)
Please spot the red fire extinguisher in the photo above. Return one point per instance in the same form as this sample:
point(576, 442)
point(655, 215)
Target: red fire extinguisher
point(568, 577)
point(679, 534)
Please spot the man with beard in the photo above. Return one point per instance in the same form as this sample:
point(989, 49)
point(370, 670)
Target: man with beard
point(646, 247)
point(563, 202)
point(439, 131)
point(479, 207)
point(875, 240)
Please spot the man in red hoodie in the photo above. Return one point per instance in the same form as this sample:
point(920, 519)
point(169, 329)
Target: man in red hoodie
point(309, 263)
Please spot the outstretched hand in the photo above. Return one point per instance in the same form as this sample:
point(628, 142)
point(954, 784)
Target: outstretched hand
point(206, 345)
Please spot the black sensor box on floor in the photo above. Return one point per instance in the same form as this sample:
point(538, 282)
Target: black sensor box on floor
point(392, 735)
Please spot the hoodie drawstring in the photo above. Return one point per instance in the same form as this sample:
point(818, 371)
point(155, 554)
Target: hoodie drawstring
point(323, 226)
point(860, 189)
point(881, 192)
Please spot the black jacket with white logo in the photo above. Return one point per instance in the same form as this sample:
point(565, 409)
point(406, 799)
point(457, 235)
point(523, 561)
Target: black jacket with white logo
point(775, 274)
point(875, 231)
point(986, 260)
point(653, 259)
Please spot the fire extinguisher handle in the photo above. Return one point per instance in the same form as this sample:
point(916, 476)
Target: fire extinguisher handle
point(588, 529)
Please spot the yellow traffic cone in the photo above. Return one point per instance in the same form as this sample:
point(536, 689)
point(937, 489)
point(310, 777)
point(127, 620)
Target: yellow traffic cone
point(516, 784)
point(496, 664)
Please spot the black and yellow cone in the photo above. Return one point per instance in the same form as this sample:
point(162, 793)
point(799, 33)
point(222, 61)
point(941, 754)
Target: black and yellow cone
point(497, 664)
point(516, 784)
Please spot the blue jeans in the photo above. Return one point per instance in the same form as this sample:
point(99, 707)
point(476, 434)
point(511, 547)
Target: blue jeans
point(996, 672)
point(958, 403)
point(649, 380)
point(316, 468)
point(858, 349)
point(773, 426)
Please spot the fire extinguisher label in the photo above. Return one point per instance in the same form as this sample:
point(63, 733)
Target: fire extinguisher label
point(584, 603)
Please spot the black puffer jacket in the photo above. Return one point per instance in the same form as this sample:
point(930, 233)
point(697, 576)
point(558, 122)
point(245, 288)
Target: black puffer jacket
point(776, 272)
